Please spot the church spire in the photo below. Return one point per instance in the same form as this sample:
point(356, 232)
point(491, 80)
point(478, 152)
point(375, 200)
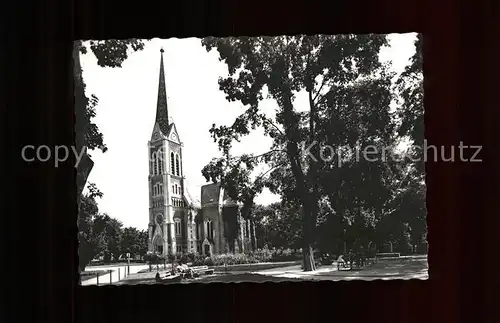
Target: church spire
point(161, 107)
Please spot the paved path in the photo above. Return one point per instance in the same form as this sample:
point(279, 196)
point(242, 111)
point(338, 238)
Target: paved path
point(385, 271)
point(117, 273)
point(404, 268)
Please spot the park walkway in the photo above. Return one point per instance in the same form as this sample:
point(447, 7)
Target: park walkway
point(414, 269)
point(118, 273)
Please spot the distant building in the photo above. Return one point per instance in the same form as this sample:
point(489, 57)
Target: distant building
point(177, 223)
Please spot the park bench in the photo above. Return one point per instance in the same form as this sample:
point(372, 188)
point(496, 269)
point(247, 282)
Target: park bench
point(203, 270)
point(343, 264)
point(359, 261)
point(170, 279)
point(387, 255)
point(200, 270)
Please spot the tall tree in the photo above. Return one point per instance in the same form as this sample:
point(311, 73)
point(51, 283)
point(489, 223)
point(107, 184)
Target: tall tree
point(109, 232)
point(109, 53)
point(411, 87)
point(325, 67)
point(278, 226)
point(88, 246)
point(411, 116)
point(132, 241)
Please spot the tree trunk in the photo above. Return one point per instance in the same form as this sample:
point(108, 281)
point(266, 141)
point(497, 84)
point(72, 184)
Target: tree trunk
point(303, 185)
point(307, 244)
point(308, 257)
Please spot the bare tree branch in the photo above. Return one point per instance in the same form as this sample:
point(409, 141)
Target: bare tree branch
point(258, 156)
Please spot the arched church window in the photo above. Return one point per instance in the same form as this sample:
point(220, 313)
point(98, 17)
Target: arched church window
point(210, 232)
point(161, 189)
point(172, 162)
point(177, 169)
point(173, 188)
point(160, 161)
point(178, 227)
point(155, 164)
point(154, 190)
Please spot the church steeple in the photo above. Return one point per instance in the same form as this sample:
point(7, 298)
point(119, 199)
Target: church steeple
point(161, 107)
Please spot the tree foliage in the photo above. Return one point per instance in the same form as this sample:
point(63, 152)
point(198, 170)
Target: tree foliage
point(411, 87)
point(102, 235)
point(349, 94)
point(277, 226)
point(134, 242)
point(109, 53)
point(109, 236)
point(88, 244)
point(348, 99)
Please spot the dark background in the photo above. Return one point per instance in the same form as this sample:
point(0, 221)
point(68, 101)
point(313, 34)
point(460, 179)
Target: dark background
point(461, 104)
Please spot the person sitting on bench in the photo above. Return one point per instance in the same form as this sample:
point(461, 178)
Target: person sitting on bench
point(158, 278)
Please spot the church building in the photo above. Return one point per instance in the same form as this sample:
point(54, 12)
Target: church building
point(177, 222)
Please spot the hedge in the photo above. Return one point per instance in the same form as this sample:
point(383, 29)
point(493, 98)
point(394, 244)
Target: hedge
point(258, 256)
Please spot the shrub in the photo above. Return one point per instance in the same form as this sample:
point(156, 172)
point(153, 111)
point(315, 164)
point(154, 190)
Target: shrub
point(151, 257)
point(257, 256)
point(194, 258)
point(233, 259)
point(285, 255)
point(208, 261)
point(262, 255)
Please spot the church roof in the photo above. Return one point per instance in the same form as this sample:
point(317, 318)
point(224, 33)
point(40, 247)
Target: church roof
point(161, 106)
point(189, 198)
point(210, 193)
point(170, 126)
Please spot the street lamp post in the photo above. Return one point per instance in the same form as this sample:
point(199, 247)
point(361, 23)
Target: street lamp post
point(128, 263)
point(345, 242)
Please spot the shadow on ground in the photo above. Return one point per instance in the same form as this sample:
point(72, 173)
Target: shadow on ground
point(216, 278)
point(400, 269)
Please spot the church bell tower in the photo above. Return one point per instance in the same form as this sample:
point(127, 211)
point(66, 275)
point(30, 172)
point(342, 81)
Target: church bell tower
point(169, 224)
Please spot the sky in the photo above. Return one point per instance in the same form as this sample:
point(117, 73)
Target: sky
point(127, 109)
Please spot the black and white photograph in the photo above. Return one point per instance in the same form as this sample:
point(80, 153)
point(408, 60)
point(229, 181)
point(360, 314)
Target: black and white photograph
point(251, 159)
